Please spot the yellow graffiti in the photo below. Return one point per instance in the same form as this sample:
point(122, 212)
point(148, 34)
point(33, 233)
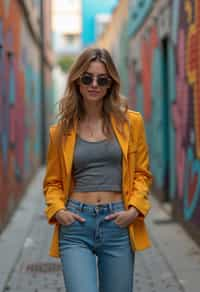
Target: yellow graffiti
point(188, 9)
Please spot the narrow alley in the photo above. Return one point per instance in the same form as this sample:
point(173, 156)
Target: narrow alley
point(154, 47)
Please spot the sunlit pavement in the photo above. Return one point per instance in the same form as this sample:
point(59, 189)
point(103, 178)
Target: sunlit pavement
point(171, 265)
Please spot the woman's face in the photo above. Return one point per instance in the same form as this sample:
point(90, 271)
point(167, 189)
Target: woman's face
point(95, 82)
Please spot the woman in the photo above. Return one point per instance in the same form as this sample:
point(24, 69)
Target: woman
point(97, 180)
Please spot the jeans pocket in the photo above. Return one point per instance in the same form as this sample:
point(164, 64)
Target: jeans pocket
point(116, 224)
point(64, 227)
point(121, 208)
point(73, 210)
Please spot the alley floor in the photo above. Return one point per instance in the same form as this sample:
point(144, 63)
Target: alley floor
point(171, 265)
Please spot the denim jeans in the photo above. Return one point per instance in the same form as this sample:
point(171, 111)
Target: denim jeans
point(96, 255)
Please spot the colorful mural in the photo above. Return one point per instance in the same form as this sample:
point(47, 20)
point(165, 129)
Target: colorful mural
point(170, 69)
point(20, 107)
point(192, 167)
point(185, 111)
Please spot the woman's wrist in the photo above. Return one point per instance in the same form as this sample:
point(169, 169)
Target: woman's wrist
point(134, 210)
point(60, 210)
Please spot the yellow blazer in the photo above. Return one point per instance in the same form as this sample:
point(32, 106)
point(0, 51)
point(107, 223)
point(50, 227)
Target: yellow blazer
point(136, 177)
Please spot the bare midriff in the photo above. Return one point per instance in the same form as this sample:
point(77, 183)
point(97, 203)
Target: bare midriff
point(96, 197)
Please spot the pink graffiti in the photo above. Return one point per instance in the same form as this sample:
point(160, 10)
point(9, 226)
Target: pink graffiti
point(180, 112)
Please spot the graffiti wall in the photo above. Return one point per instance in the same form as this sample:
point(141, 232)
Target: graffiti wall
point(186, 110)
point(20, 99)
point(164, 86)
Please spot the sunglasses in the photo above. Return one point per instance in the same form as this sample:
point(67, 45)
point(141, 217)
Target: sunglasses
point(87, 79)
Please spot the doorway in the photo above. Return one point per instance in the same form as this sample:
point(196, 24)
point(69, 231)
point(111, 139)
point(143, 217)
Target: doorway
point(166, 117)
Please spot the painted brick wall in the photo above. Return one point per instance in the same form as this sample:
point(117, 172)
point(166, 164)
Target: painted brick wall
point(20, 106)
point(164, 86)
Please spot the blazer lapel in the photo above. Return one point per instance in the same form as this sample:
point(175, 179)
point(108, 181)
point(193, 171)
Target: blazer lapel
point(68, 148)
point(123, 140)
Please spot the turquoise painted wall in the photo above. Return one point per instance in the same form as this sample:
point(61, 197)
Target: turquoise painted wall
point(90, 9)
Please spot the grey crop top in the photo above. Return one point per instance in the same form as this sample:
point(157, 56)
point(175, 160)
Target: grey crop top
point(97, 166)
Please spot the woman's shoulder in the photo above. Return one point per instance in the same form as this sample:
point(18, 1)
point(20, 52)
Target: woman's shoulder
point(134, 116)
point(54, 130)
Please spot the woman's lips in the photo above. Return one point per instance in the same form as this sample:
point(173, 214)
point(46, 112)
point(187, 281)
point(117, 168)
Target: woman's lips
point(93, 92)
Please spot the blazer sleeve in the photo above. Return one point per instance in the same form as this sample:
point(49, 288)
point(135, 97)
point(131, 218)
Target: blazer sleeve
point(52, 183)
point(142, 176)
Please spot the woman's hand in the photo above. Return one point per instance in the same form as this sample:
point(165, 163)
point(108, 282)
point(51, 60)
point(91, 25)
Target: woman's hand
point(124, 218)
point(66, 217)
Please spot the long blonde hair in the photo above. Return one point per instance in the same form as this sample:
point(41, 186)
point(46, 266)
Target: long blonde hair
point(71, 107)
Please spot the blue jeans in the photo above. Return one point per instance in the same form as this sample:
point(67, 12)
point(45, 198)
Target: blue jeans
point(96, 255)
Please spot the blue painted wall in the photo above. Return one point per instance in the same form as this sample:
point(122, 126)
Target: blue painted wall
point(137, 14)
point(89, 10)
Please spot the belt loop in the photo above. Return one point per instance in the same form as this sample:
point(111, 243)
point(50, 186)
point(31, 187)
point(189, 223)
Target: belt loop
point(110, 207)
point(81, 206)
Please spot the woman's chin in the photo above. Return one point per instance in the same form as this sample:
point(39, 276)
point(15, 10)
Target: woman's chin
point(91, 98)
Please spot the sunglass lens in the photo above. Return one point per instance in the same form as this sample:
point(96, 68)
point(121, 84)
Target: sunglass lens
point(86, 79)
point(103, 81)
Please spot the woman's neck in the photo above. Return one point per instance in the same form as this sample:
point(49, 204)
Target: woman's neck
point(93, 112)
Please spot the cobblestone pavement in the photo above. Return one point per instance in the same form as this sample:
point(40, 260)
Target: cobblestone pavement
point(153, 274)
point(35, 271)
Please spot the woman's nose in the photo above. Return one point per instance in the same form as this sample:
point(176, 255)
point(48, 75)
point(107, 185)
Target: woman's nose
point(94, 82)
